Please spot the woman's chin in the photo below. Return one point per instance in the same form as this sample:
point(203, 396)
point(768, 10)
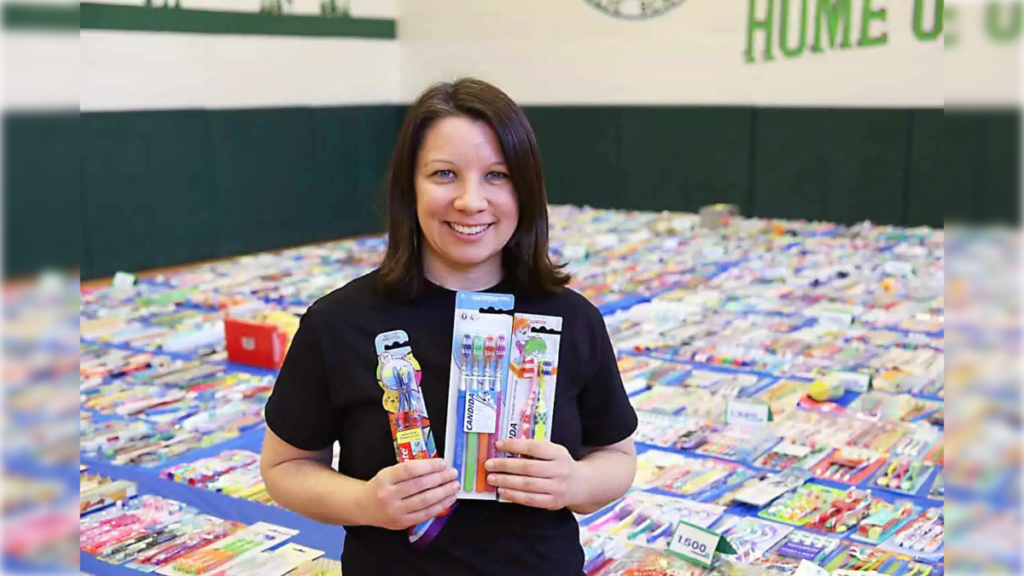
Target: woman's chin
point(468, 259)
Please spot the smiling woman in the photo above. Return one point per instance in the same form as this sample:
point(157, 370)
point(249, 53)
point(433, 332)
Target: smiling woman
point(467, 213)
point(465, 202)
point(466, 180)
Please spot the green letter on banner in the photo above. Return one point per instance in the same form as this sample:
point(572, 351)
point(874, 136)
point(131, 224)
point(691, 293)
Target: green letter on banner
point(936, 29)
point(767, 25)
point(999, 30)
point(793, 52)
point(832, 12)
point(869, 16)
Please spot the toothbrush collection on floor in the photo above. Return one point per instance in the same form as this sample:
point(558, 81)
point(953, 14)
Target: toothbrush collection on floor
point(757, 311)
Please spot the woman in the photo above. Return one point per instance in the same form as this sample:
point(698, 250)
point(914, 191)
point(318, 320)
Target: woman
point(467, 212)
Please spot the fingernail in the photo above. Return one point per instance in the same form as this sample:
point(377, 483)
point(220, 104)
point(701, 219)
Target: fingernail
point(500, 444)
point(491, 478)
point(453, 473)
point(489, 464)
point(454, 486)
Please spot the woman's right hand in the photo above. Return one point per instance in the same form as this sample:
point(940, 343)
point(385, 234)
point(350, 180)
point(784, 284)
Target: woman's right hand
point(406, 494)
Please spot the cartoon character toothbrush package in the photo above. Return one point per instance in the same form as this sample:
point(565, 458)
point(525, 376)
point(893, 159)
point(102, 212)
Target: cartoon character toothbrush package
point(533, 371)
point(479, 370)
point(398, 374)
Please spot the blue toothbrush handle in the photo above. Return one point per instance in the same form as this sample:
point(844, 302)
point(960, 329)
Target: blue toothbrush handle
point(460, 436)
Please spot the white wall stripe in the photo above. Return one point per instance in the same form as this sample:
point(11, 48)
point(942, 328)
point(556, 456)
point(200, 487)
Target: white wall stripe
point(40, 70)
point(569, 52)
point(142, 71)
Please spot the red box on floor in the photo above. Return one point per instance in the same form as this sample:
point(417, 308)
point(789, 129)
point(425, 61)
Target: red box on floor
point(255, 343)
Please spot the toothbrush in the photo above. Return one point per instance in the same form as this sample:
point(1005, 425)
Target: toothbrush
point(485, 438)
point(500, 350)
point(911, 477)
point(401, 418)
point(460, 436)
point(473, 439)
point(413, 418)
point(526, 416)
point(540, 429)
point(621, 510)
point(889, 474)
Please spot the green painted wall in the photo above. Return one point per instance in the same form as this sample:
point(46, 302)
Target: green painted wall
point(43, 222)
point(163, 188)
point(137, 190)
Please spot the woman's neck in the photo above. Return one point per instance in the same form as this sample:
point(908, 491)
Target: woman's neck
point(470, 279)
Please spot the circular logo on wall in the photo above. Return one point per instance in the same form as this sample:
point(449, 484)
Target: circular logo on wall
point(635, 9)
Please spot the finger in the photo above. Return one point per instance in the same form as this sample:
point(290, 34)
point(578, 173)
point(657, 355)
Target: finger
point(421, 483)
point(522, 467)
point(531, 499)
point(522, 483)
point(428, 499)
point(415, 468)
point(538, 449)
point(431, 512)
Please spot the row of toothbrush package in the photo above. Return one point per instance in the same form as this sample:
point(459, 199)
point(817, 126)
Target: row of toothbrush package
point(503, 375)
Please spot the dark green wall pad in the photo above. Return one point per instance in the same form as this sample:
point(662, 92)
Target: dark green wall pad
point(154, 189)
point(148, 190)
point(963, 156)
point(96, 16)
point(980, 166)
point(579, 149)
point(929, 187)
point(838, 165)
point(43, 225)
point(1002, 186)
point(644, 158)
point(685, 158)
point(167, 188)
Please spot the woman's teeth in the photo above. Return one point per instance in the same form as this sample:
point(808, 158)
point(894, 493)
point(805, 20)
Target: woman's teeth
point(470, 230)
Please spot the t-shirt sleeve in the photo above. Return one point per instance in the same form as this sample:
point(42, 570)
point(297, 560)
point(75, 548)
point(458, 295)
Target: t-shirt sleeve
point(606, 414)
point(299, 410)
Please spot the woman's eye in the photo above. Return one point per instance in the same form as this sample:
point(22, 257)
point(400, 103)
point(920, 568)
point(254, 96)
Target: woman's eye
point(497, 175)
point(445, 174)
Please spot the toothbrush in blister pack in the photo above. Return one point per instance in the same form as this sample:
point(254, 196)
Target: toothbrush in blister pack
point(529, 398)
point(479, 365)
point(399, 376)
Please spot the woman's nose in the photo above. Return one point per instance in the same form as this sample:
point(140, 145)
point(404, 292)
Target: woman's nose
point(471, 199)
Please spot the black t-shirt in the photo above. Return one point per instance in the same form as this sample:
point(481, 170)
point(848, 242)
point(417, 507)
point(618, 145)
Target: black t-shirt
point(327, 391)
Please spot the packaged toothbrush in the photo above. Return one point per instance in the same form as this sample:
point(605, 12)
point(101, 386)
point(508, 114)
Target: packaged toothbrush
point(479, 369)
point(529, 399)
point(533, 373)
point(399, 375)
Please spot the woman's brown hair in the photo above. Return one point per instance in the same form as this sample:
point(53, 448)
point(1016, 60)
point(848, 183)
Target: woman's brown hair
point(527, 266)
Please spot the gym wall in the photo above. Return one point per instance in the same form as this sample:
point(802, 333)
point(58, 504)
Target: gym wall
point(206, 131)
point(217, 128)
point(42, 203)
point(818, 109)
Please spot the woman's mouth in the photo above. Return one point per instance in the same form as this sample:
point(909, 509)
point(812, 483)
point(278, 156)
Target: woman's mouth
point(469, 230)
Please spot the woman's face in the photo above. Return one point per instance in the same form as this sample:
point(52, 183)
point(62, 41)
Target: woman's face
point(465, 202)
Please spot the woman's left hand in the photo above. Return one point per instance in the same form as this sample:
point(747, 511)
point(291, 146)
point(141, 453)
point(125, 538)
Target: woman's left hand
point(540, 479)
